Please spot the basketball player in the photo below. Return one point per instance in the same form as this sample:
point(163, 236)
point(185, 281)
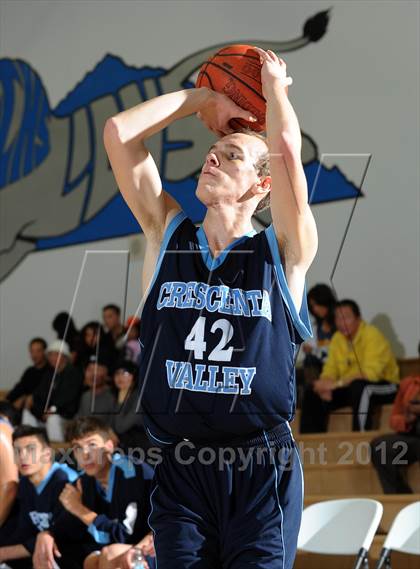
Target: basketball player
point(224, 313)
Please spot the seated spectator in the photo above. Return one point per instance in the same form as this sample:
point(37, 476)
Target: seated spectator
point(132, 345)
point(128, 420)
point(63, 324)
point(8, 470)
point(360, 371)
point(109, 504)
point(111, 315)
point(98, 399)
point(40, 486)
point(392, 453)
point(56, 400)
point(21, 394)
point(95, 342)
point(321, 304)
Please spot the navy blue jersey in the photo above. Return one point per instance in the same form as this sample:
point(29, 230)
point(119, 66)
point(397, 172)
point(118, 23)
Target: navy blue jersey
point(123, 508)
point(39, 506)
point(219, 338)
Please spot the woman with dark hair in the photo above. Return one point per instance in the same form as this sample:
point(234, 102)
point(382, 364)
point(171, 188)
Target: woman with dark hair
point(128, 422)
point(95, 342)
point(321, 304)
point(66, 330)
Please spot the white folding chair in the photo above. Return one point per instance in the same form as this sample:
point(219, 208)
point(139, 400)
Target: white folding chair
point(340, 527)
point(404, 535)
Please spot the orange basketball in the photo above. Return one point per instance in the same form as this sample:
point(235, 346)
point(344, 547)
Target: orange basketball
point(235, 71)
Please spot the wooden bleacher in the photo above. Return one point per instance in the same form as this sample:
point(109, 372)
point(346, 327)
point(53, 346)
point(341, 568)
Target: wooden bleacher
point(336, 465)
point(409, 366)
point(340, 421)
point(339, 464)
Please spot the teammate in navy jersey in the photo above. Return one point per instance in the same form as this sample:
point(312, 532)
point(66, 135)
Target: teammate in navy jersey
point(110, 502)
point(40, 486)
point(224, 313)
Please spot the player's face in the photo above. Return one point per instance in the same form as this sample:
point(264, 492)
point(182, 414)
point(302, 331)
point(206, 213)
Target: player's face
point(30, 455)
point(346, 321)
point(229, 172)
point(92, 453)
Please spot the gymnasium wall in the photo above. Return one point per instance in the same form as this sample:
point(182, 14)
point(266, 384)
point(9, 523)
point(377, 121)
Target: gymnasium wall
point(68, 242)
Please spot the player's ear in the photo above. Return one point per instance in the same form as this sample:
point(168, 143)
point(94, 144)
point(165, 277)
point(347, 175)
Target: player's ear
point(109, 445)
point(263, 185)
point(48, 453)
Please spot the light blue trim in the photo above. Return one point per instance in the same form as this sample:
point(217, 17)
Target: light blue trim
point(124, 464)
point(72, 475)
point(211, 263)
point(302, 320)
point(148, 519)
point(156, 439)
point(6, 421)
point(99, 536)
point(39, 488)
point(111, 482)
point(276, 483)
point(173, 225)
point(301, 476)
point(108, 492)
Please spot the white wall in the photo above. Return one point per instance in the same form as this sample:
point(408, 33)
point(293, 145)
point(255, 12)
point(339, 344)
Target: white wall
point(355, 92)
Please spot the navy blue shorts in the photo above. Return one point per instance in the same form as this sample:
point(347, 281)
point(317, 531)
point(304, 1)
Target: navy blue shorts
point(228, 506)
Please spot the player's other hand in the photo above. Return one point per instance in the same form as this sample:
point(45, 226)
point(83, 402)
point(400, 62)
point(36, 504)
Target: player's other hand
point(45, 551)
point(218, 110)
point(273, 71)
point(71, 497)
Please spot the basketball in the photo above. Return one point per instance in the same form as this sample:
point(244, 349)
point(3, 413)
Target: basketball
point(235, 71)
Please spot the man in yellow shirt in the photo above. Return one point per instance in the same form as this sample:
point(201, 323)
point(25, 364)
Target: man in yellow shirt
point(360, 371)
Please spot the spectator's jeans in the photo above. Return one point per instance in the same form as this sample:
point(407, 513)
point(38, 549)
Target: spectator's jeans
point(390, 455)
point(361, 395)
point(55, 424)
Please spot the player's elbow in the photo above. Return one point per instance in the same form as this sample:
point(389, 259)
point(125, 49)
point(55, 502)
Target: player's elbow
point(111, 133)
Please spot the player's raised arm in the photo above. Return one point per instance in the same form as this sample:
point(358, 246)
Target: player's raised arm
point(134, 168)
point(293, 221)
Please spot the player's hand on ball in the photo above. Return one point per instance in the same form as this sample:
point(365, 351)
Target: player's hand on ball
point(273, 71)
point(219, 110)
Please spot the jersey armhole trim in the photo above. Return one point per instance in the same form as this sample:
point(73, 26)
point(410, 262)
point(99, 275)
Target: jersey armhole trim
point(301, 321)
point(170, 230)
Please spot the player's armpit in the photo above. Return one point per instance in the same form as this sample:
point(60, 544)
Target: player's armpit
point(298, 241)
